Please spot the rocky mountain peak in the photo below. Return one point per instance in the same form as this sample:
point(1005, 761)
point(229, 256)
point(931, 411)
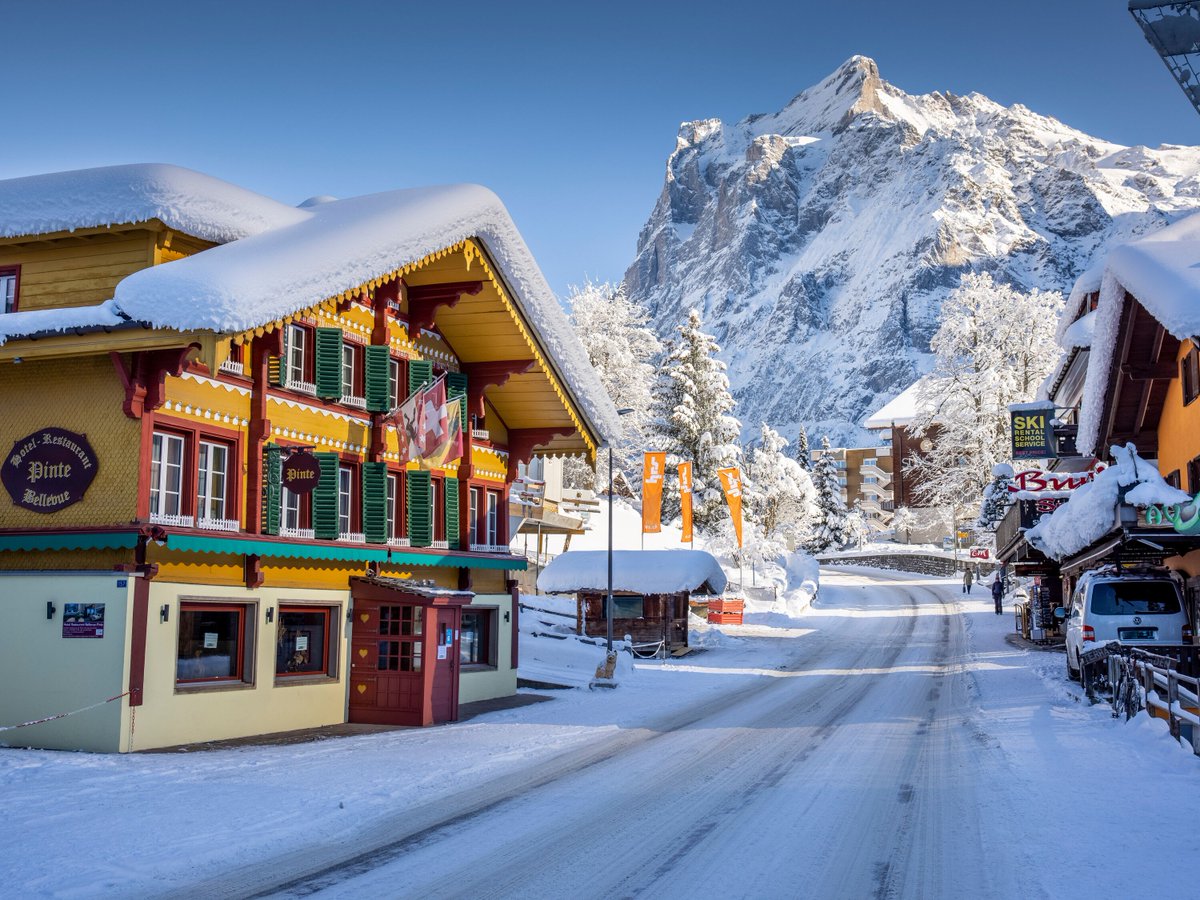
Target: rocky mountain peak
point(820, 240)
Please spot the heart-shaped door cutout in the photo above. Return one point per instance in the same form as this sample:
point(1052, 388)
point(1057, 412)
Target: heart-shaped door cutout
point(363, 652)
point(366, 617)
point(362, 688)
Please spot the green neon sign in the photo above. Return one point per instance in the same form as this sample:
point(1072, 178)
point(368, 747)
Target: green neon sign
point(1183, 517)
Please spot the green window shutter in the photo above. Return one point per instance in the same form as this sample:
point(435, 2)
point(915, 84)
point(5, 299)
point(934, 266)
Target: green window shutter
point(420, 373)
point(374, 502)
point(277, 365)
point(420, 529)
point(325, 498)
point(379, 362)
point(329, 363)
point(456, 386)
point(272, 488)
point(451, 489)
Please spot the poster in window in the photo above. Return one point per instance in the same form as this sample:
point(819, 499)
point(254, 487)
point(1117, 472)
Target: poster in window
point(83, 620)
point(210, 640)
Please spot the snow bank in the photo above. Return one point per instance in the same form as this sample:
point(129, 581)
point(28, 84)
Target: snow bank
point(642, 571)
point(188, 201)
point(1092, 510)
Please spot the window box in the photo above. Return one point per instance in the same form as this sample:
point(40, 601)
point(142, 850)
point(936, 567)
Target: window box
point(219, 524)
point(305, 533)
point(399, 542)
point(352, 537)
point(439, 545)
point(175, 521)
point(300, 386)
point(351, 400)
point(215, 644)
point(232, 367)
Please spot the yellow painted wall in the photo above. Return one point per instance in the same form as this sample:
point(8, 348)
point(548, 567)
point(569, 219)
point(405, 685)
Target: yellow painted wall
point(79, 272)
point(479, 684)
point(46, 674)
point(81, 395)
point(172, 716)
point(1179, 429)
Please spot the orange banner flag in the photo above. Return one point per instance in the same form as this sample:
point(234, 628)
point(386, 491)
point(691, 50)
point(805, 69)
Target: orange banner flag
point(653, 467)
point(685, 500)
point(731, 481)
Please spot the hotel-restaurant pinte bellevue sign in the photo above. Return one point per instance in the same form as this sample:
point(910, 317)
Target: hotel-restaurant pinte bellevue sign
point(301, 472)
point(49, 470)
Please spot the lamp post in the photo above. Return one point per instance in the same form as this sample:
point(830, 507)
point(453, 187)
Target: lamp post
point(608, 604)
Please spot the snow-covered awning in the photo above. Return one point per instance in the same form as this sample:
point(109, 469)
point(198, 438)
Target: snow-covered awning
point(638, 571)
point(1092, 513)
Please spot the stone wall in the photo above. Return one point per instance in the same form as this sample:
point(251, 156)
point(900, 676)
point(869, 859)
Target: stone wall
point(919, 563)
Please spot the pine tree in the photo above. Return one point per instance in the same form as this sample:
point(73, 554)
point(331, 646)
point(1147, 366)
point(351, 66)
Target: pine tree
point(829, 530)
point(780, 495)
point(803, 454)
point(903, 520)
point(997, 498)
point(621, 347)
point(692, 403)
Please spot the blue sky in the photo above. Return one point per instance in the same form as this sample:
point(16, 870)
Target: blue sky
point(567, 111)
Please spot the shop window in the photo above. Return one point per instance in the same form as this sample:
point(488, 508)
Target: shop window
point(1190, 372)
point(215, 643)
point(305, 641)
point(9, 276)
point(627, 606)
point(212, 488)
point(166, 475)
point(477, 637)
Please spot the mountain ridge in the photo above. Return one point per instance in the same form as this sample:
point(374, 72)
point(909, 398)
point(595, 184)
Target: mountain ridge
point(820, 240)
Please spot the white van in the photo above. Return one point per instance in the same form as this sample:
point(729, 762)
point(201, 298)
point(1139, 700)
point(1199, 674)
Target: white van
point(1141, 609)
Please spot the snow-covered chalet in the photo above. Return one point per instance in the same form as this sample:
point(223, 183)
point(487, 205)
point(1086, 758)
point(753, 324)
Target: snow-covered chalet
point(207, 528)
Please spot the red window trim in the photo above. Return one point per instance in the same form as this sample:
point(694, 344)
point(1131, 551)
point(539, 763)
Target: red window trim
point(303, 608)
point(192, 433)
point(354, 464)
point(437, 493)
point(400, 510)
point(14, 270)
point(244, 610)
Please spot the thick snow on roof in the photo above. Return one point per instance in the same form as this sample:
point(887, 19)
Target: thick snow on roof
point(900, 410)
point(340, 244)
point(1162, 270)
point(1104, 339)
point(641, 571)
point(188, 201)
point(1092, 510)
point(1080, 333)
point(1087, 283)
point(38, 321)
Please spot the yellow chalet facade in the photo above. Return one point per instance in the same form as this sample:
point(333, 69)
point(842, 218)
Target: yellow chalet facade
point(206, 528)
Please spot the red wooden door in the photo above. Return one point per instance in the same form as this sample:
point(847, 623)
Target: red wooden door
point(386, 663)
point(445, 674)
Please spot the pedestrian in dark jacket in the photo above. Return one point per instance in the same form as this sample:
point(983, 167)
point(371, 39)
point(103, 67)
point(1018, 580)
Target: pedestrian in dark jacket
point(968, 577)
point(998, 595)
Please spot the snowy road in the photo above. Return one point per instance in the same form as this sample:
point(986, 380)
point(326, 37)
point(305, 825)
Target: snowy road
point(855, 772)
point(888, 743)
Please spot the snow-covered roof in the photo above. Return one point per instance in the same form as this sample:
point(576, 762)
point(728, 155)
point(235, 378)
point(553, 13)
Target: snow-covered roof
point(640, 571)
point(279, 260)
point(187, 201)
point(1091, 513)
point(900, 410)
point(1087, 283)
point(1162, 270)
point(1080, 333)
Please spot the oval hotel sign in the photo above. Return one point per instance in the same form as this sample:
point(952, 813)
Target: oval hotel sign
point(49, 470)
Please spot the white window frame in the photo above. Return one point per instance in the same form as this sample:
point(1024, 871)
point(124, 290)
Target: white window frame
point(290, 510)
point(393, 382)
point(345, 499)
point(393, 483)
point(350, 365)
point(211, 500)
point(297, 361)
point(160, 468)
point(476, 494)
point(493, 518)
point(8, 290)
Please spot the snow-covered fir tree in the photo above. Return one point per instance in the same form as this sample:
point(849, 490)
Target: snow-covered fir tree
point(857, 527)
point(780, 495)
point(993, 347)
point(623, 350)
point(829, 527)
point(803, 453)
point(997, 498)
point(903, 520)
point(693, 405)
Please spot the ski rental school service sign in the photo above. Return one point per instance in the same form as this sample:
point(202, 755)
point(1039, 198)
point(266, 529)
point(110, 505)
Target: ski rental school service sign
point(49, 470)
point(1032, 431)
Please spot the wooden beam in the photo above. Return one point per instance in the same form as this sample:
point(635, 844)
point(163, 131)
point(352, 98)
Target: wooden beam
point(424, 300)
point(1150, 371)
point(483, 375)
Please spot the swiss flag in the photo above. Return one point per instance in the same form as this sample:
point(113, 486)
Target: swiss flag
point(436, 419)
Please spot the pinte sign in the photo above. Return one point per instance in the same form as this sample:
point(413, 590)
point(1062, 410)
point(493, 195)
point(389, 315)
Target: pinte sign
point(301, 472)
point(49, 470)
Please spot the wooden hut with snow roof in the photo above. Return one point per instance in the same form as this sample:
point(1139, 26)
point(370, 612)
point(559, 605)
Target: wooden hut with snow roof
point(651, 590)
point(209, 513)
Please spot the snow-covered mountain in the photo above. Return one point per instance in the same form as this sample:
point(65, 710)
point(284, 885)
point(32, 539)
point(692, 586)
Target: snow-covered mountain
point(820, 241)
